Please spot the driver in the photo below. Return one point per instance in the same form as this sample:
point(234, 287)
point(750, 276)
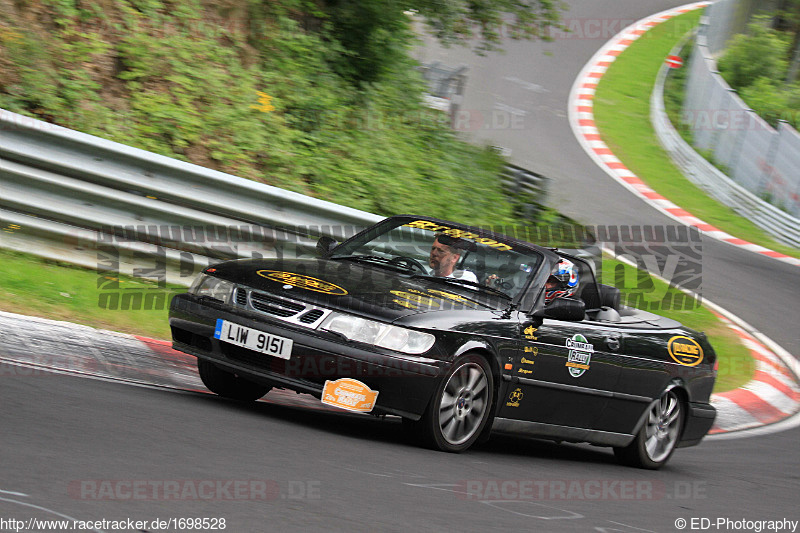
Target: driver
point(562, 283)
point(446, 251)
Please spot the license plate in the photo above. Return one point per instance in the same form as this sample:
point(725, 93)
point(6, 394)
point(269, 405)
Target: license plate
point(253, 339)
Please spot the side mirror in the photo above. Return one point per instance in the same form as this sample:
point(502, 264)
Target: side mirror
point(325, 245)
point(570, 309)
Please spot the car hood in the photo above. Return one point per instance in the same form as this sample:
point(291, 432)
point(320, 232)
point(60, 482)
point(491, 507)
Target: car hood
point(375, 291)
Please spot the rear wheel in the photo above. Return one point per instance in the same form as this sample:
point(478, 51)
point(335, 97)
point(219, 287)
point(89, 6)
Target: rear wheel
point(460, 406)
point(658, 436)
point(229, 385)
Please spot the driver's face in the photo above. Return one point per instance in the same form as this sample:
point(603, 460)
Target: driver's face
point(442, 260)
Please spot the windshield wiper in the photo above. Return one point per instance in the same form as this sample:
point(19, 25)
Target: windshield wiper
point(464, 283)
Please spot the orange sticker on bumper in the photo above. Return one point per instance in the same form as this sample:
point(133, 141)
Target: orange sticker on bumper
point(349, 394)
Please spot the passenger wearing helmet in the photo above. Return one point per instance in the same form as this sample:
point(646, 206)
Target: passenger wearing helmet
point(562, 283)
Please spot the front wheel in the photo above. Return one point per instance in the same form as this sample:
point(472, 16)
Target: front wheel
point(460, 406)
point(229, 385)
point(656, 440)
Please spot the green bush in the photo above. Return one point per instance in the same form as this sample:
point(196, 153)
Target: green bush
point(756, 66)
point(272, 91)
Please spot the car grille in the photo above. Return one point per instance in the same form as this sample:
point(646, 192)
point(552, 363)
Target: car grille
point(311, 316)
point(292, 311)
point(275, 306)
point(241, 296)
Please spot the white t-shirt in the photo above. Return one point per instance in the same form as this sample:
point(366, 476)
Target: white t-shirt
point(466, 275)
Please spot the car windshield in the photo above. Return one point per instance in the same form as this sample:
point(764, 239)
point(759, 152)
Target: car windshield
point(485, 262)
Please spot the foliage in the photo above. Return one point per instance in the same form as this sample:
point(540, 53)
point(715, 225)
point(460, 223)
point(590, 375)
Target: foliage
point(488, 21)
point(188, 79)
point(756, 64)
point(774, 103)
point(760, 53)
point(675, 92)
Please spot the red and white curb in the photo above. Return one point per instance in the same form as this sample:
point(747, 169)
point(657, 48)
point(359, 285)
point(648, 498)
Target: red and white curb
point(771, 396)
point(581, 114)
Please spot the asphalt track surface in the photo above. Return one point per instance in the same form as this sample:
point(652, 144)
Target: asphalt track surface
point(90, 449)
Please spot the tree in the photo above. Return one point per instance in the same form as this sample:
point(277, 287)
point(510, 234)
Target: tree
point(489, 20)
point(375, 32)
point(760, 53)
point(787, 19)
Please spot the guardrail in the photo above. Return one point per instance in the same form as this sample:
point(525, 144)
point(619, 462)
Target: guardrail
point(699, 171)
point(78, 198)
point(74, 197)
point(528, 190)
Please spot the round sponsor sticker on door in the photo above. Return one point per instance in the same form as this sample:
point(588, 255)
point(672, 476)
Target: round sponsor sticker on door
point(685, 351)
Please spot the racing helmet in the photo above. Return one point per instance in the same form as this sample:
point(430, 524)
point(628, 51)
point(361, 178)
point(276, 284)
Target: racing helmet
point(563, 282)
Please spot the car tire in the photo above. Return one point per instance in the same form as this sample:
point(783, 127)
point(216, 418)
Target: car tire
point(658, 436)
point(229, 385)
point(460, 406)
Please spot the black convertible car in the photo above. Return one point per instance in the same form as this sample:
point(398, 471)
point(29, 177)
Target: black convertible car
point(378, 324)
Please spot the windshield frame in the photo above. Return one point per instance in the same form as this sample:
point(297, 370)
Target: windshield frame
point(489, 239)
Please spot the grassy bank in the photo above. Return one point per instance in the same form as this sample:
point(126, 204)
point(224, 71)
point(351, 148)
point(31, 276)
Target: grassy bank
point(261, 90)
point(33, 286)
point(622, 114)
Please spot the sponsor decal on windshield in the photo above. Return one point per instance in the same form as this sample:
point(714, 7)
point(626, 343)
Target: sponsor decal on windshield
point(303, 282)
point(458, 234)
point(685, 351)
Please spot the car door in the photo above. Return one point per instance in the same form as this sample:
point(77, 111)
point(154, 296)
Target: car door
point(563, 375)
point(644, 374)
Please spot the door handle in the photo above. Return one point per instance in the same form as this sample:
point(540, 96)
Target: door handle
point(613, 342)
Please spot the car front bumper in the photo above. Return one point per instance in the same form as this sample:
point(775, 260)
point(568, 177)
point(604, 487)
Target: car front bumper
point(404, 383)
point(699, 419)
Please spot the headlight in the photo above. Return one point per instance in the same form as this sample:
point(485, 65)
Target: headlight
point(205, 285)
point(383, 335)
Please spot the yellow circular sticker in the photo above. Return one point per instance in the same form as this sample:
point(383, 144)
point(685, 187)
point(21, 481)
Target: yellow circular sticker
point(303, 282)
point(685, 351)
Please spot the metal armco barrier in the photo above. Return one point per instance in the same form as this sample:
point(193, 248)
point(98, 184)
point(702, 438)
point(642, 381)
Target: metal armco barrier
point(527, 189)
point(783, 226)
point(757, 156)
point(77, 198)
point(74, 197)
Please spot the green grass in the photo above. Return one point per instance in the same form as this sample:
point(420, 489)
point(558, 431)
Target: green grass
point(33, 286)
point(736, 365)
point(622, 114)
